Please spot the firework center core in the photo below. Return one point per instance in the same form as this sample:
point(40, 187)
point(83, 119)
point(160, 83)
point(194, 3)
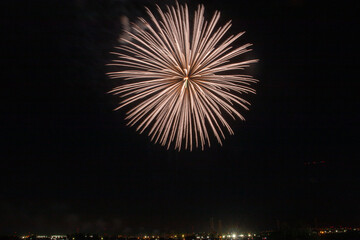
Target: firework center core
point(186, 79)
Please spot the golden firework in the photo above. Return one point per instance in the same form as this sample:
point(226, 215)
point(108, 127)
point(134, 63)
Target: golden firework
point(180, 79)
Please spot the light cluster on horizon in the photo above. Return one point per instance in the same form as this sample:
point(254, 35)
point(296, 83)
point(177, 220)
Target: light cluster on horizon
point(179, 80)
point(263, 235)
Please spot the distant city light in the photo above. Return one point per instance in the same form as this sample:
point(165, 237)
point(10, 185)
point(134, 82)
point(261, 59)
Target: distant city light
point(53, 237)
point(195, 236)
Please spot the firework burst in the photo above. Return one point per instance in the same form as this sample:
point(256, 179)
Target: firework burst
point(179, 79)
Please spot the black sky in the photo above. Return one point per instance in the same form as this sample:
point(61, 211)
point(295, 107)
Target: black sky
point(70, 163)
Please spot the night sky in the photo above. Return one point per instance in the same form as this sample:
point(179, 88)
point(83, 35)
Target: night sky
point(70, 163)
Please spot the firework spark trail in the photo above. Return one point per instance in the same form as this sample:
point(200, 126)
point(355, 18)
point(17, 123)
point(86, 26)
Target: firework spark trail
point(178, 78)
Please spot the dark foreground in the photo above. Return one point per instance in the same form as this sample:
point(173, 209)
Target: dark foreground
point(289, 234)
